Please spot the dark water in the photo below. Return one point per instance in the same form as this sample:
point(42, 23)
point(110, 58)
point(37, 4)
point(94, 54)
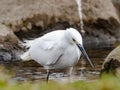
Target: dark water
point(82, 71)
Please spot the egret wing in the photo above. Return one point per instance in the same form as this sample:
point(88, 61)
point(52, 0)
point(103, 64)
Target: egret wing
point(46, 51)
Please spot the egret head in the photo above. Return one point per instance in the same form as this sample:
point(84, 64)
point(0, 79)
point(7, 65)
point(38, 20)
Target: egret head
point(74, 37)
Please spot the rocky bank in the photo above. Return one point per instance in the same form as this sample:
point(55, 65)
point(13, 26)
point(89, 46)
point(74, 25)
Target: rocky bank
point(28, 19)
point(111, 64)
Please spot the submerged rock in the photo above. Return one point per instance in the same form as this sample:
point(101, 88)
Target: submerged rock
point(112, 63)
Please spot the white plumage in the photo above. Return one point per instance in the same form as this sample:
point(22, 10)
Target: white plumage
point(56, 50)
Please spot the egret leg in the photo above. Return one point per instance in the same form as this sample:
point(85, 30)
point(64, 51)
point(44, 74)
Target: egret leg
point(48, 73)
point(70, 71)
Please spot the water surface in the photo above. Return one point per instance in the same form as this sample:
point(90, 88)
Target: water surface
point(82, 71)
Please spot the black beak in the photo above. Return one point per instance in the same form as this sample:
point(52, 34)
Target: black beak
point(85, 54)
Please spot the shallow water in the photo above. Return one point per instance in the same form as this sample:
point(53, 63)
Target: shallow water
point(33, 72)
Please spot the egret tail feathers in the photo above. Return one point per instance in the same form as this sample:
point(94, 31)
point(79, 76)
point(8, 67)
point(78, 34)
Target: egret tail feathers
point(26, 56)
point(27, 43)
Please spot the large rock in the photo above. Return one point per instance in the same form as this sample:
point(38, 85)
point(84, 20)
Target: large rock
point(112, 62)
point(116, 3)
point(7, 35)
point(22, 17)
point(8, 44)
point(98, 9)
point(101, 23)
point(20, 14)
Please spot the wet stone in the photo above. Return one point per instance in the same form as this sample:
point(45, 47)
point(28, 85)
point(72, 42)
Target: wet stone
point(5, 55)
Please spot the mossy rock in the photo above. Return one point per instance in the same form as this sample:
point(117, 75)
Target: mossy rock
point(111, 64)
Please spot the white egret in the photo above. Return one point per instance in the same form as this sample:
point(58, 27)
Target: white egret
point(56, 50)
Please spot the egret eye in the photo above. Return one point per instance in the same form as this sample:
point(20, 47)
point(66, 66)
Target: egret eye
point(74, 40)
